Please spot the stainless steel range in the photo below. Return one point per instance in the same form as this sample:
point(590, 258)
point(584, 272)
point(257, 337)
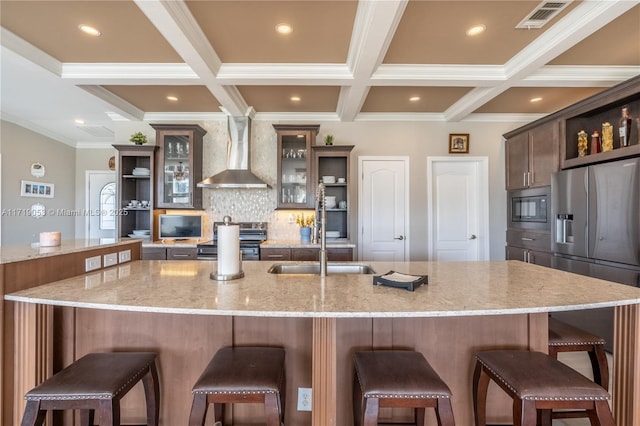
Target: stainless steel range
point(251, 235)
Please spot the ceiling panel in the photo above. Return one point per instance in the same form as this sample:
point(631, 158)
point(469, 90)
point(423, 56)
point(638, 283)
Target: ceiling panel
point(617, 43)
point(396, 99)
point(154, 98)
point(434, 32)
point(278, 98)
point(244, 31)
point(518, 99)
point(52, 26)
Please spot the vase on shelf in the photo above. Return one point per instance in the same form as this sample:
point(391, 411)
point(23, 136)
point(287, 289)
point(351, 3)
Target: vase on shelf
point(624, 128)
point(305, 234)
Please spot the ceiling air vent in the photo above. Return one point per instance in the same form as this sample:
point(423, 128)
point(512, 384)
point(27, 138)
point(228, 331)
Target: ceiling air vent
point(97, 131)
point(542, 14)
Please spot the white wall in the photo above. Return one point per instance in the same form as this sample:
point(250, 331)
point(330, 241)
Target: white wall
point(21, 148)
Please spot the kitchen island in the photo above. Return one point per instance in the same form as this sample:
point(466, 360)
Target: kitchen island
point(173, 307)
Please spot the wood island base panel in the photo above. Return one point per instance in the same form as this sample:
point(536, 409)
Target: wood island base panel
point(174, 309)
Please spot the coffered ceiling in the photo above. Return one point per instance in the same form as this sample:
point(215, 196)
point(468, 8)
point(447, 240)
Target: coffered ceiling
point(345, 60)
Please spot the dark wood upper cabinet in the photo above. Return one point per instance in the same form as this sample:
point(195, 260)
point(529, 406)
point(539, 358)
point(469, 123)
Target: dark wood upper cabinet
point(179, 166)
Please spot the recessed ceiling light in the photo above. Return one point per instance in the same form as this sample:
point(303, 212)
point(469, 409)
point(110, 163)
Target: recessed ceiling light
point(538, 99)
point(476, 29)
point(284, 28)
point(79, 121)
point(295, 99)
point(172, 98)
point(87, 29)
point(414, 98)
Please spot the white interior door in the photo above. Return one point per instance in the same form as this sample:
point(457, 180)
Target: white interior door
point(101, 204)
point(458, 199)
point(383, 208)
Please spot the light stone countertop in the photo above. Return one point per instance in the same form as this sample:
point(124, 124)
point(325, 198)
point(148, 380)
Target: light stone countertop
point(331, 243)
point(17, 253)
point(454, 289)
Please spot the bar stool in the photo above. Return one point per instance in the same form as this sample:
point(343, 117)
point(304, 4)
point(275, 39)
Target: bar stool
point(96, 382)
point(537, 381)
point(398, 378)
point(241, 375)
point(567, 338)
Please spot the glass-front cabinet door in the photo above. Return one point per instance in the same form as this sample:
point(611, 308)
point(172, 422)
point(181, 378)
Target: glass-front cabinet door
point(179, 166)
point(294, 159)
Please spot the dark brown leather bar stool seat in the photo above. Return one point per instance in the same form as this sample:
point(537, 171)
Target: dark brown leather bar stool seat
point(537, 381)
point(398, 378)
point(96, 382)
point(241, 375)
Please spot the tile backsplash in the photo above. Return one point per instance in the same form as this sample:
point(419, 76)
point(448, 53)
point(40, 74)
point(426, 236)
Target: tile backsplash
point(245, 205)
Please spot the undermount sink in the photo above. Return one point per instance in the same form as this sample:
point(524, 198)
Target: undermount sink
point(314, 268)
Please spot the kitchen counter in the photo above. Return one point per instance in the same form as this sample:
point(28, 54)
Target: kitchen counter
point(331, 243)
point(191, 243)
point(167, 306)
point(454, 289)
point(17, 253)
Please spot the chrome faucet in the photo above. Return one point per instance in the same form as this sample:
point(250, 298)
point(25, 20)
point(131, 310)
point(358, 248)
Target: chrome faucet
point(322, 212)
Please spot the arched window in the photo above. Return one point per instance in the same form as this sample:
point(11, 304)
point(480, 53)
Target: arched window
point(108, 205)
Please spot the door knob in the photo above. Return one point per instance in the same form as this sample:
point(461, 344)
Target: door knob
point(401, 237)
point(472, 237)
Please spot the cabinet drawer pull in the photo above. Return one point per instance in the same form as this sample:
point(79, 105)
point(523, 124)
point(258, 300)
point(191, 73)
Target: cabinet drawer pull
point(527, 239)
point(275, 255)
point(180, 255)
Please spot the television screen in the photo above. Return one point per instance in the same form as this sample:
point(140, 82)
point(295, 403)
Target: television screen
point(180, 226)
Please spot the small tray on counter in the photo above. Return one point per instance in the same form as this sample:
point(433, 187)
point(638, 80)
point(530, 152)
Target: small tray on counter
point(400, 280)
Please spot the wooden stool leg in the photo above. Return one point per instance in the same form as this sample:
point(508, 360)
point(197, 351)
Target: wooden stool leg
point(33, 416)
point(524, 412)
point(271, 409)
point(357, 403)
point(109, 412)
point(218, 412)
point(420, 416)
point(283, 396)
point(152, 395)
point(603, 412)
point(371, 411)
point(600, 366)
point(444, 412)
point(87, 417)
point(198, 409)
point(480, 386)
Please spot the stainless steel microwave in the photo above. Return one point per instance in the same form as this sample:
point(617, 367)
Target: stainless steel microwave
point(530, 208)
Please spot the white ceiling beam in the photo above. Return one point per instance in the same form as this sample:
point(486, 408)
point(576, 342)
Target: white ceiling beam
point(123, 107)
point(285, 74)
point(129, 74)
point(585, 19)
point(373, 29)
point(178, 26)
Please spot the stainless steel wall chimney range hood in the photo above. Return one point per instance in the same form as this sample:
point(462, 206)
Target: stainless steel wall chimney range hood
point(238, 173)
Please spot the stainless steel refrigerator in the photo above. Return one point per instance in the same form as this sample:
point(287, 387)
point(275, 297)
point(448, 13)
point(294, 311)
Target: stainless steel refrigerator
point(596, 231)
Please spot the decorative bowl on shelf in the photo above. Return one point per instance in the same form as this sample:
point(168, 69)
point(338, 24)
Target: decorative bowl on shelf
point(328, 179)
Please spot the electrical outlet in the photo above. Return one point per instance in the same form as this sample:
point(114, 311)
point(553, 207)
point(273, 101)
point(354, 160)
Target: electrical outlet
point(110, 259)
point(124, 256)
point(91, 263)
point(304, 399)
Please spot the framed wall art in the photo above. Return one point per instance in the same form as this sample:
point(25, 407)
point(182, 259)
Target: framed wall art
point(36, 189)
point(458, 143)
